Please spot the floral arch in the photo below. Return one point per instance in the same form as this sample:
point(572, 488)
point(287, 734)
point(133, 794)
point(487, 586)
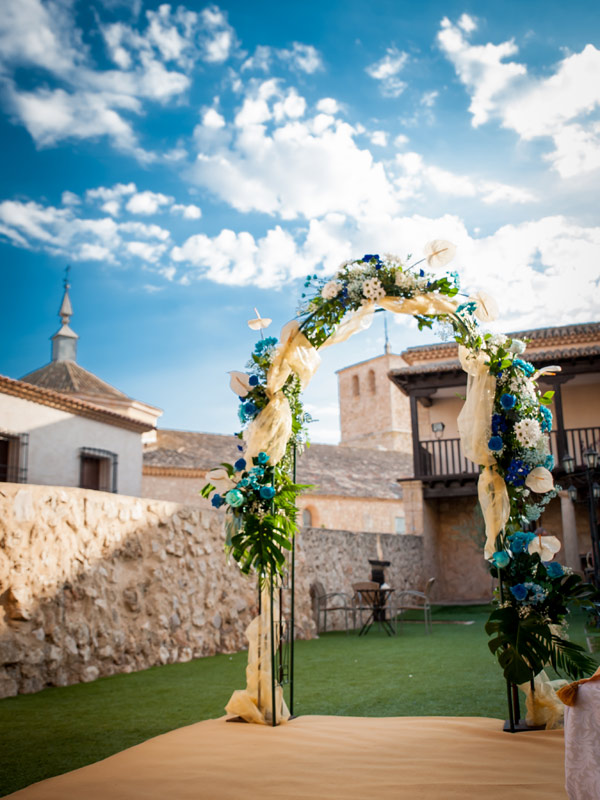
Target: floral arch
point(503, 426)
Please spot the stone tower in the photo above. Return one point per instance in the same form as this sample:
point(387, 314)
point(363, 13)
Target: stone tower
point(373, 413)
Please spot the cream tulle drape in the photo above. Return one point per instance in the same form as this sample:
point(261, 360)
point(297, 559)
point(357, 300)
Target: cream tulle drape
point(474, 428)
point(255, 702)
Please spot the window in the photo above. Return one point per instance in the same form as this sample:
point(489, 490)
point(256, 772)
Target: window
point(13, 457)
point(372, 385)
point(400, 524)
point(98, 469)
point(306, 518)
point(355, 386)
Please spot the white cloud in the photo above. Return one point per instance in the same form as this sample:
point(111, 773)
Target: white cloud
point(188, 212)
point(147, 202)
point(212, 119)
point(300, 57)
point(556, 107)
point(386, 72)
point(379, 138)
point(467, 23)
point(146, 251)
point(111, 197)
point(401, 140)
point(253, 168)
point(152, 65)
point(70, 199)
point(328, 105)
point(428, 99)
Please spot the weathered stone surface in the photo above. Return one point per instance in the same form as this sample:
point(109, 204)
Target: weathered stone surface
point(95, 584)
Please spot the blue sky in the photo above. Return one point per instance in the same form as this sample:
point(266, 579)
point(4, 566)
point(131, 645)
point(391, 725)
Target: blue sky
point(193, 162)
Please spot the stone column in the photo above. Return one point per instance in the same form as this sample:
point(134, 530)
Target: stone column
point(569, 530)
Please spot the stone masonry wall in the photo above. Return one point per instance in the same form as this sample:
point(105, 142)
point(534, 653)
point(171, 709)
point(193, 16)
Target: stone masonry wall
point(94, 584)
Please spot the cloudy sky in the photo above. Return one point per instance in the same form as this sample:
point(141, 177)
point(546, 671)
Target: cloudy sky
point(192, 162)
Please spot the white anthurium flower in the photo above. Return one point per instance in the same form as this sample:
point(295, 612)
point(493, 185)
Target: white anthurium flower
point(220, 480)
point(239, 383)
point(550, 370)
point(331, 290)
point(540, 480)
point(259, 323)
point(486, 308)
point(439, 252)
point(546, 546)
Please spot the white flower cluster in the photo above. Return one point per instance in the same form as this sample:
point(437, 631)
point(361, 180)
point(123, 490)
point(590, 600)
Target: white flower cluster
point(331, 290)
point(522, 385)
point(528, 432)
point(373, 289)
point(405, 280)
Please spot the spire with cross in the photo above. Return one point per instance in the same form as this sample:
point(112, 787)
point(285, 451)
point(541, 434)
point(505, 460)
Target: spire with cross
point(64, 341)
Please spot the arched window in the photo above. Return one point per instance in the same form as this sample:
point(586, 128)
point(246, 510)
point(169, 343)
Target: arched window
point(372, 386)
point(306, 518)
point(355, 386)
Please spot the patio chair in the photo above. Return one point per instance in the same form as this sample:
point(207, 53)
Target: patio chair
point(412, 600)
point(334, 601)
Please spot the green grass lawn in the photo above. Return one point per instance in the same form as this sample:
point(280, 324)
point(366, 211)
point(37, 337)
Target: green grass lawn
point(449, 673)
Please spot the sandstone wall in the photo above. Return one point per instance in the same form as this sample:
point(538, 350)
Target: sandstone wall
point(92, 584)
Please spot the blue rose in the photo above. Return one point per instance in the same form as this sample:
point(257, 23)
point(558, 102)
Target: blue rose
point(253, 380)
point(501, 559)
point(217, 500)
point(267, 492)
point(554, 569)
point(496, 443)
point(519, 592)
point(262, 458)
point(240, 464)
point(249, 408)
point(234, 497)
point(519, 541)
point(507, 401)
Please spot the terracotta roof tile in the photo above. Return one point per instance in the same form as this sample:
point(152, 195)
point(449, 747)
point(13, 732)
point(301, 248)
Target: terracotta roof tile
point(69, 377)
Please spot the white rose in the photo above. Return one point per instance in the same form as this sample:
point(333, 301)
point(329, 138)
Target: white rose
point(517, 346)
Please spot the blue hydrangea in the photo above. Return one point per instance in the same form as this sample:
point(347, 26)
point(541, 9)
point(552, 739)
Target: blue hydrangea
point(508, 401)
point(267, 492)
point(501, 559)
point(537, 595)
point(244, 482)
point(517, 472)
point(554, 569)
point(519, 591)
point(549, 462)
point(495, 443)
point(546, 422)
point(499, 424)
point(217, 500)
point(519, 541)
point(533, 512)
point(257, 472)
point(524, 366)
point(240, 464)
point(264, 344)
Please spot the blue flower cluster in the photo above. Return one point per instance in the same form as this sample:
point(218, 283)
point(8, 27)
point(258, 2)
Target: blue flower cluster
point(524, 366)
point(546, 423)
point(519, 541)
point(499, 424)
point(549, 462)
point(517, 472)
point(373, 257)
point(264, 344)
point(536, 593)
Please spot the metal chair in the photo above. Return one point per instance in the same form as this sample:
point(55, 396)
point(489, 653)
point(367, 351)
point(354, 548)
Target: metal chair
point(412, 600)
point(334, 601)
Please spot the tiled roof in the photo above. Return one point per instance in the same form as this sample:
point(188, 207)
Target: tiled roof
point(82, 408)
point(69, 378)
point(559, 337)
point(331, 469)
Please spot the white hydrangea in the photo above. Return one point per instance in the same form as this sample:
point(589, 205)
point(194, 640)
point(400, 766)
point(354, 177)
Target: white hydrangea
point(498, 339)
point(373, 289)
point(528, 432)
point(331, 290)
point(405, 280)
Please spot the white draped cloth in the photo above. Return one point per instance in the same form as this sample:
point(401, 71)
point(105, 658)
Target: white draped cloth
point(582, 743)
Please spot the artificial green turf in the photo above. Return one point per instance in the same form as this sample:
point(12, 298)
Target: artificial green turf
point(450, 673)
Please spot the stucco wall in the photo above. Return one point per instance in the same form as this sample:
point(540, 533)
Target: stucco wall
point(55, 437)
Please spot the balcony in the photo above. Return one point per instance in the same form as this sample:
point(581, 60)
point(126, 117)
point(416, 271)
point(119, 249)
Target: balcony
point(444, 469)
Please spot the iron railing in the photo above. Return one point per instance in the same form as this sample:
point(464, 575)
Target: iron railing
point(443, 458)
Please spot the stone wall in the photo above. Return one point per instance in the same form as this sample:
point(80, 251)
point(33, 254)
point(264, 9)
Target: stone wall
point(337, 559)
point(93, 584)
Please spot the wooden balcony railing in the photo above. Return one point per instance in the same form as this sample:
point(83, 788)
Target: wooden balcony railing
point(444, 459)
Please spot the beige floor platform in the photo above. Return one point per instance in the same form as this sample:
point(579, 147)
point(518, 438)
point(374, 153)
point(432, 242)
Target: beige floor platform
point(326, 758)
